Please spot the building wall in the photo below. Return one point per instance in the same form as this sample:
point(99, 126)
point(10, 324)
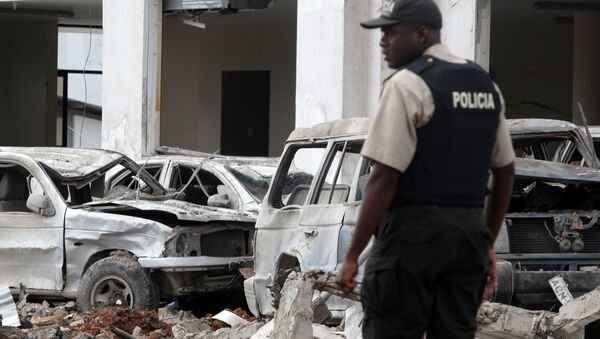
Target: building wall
point(192, 62)
point(586, 70)
point(28, 63)
point(533, 63)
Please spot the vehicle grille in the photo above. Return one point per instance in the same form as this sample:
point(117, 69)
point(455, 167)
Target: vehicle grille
point(225, 244)
point(530, 236)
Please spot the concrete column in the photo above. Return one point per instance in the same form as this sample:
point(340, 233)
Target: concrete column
point(466, 28)
point(338, 63)
point(131, 76)
point(586, 68)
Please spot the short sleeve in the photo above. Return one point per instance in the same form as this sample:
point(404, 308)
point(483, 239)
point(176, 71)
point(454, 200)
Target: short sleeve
point(503, 153)
point(406, 104)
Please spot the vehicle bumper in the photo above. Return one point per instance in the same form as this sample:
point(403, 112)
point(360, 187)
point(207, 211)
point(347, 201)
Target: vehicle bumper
point(191, 264)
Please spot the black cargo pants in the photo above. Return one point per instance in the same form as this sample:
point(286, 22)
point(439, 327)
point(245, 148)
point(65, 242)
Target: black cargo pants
point(426, 273)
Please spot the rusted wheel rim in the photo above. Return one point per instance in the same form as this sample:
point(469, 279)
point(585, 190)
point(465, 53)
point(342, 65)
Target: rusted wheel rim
point(111, 291)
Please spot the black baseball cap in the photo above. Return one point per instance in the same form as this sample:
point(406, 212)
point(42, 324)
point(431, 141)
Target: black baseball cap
point(424, 12)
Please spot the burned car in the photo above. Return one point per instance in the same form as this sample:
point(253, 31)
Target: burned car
point(238, 183)
point(552, 140)
point(69, 232)
point(549, 230)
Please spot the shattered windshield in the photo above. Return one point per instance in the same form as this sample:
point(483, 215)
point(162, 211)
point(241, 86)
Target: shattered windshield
point(119, 181)
point(256, 179)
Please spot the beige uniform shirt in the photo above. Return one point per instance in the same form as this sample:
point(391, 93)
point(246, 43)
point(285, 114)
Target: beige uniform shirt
point(406, 103)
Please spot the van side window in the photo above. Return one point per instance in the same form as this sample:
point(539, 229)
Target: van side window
point(340, 169)
point(298, 168)
point(14, 189)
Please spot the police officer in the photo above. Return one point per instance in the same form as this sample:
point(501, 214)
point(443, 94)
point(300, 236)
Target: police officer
point(439, 133)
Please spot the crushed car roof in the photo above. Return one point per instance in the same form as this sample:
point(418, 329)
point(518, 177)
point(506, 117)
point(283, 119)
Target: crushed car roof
point(539, 126)
point(181, 154)
point(546, 170)
point(331, 129)
point(68, 162)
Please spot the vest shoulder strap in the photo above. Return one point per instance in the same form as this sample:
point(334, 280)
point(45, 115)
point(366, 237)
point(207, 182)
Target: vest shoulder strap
point(421, 64)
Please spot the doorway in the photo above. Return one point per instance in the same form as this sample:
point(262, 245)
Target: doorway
point(245, 98)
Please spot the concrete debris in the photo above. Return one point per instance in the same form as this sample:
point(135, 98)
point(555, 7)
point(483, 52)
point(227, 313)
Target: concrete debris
point(188, 326)
point(241, 332)
point(504, 321)
point(230, 318)
point(293, 318)
point(353, 322)
point(8, 309)
point(579, 312)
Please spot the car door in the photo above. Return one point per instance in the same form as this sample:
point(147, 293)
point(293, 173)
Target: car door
point(31, 244)
point(323, 218)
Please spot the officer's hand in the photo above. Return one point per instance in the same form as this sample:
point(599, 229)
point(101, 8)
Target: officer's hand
point(346, 275)
point(492, 279)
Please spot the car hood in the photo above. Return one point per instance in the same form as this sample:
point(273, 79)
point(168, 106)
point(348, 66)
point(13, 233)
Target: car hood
point(180, 209)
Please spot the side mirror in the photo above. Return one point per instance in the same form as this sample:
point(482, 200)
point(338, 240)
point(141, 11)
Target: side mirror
point(219, 200)
point(41, 204)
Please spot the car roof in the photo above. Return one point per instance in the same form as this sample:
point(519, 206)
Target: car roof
point(547, 170)
point(539, 126)
point(68, 162)
point(332, 129)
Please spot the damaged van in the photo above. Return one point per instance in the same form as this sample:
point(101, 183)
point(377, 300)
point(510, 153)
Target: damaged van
point(551, 227)
point(69, 232)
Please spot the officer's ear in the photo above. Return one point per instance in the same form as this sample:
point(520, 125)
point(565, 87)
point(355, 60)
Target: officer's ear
point(423, 32)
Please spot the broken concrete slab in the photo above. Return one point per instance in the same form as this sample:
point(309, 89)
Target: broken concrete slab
point(293, 319)
point(576, 314)
point(505, 321)
point(353, 322)
point(8, 309)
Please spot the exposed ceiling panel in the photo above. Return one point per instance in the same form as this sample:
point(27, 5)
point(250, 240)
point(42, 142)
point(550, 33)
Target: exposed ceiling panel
point(75, 12)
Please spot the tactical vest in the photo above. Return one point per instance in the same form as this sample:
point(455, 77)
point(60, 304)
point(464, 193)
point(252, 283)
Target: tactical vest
point(454, 149)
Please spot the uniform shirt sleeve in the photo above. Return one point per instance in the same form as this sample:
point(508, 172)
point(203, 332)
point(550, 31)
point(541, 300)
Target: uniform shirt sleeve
point(406, 104)
point(503, 153)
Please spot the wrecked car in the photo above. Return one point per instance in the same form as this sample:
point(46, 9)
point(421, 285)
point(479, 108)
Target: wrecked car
point(552, 140)
point(308, 225)
point(238, 183)
point(69, 232)
point(550, 228)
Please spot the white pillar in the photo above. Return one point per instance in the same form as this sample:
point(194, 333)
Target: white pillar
point(586, 69)
point(131, 76)
point(338, 62)
point(466, 28)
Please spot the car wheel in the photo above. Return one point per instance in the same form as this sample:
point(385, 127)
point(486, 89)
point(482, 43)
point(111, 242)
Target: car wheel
point(117, 281)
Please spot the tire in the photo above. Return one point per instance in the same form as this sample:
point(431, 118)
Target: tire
point(117, 281)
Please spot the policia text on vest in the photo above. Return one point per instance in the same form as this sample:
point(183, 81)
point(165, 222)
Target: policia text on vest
point(473, 100)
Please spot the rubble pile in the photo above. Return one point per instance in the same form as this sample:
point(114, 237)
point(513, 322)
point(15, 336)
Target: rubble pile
point(41, 320)
point(300, 315)
point(294, 319)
